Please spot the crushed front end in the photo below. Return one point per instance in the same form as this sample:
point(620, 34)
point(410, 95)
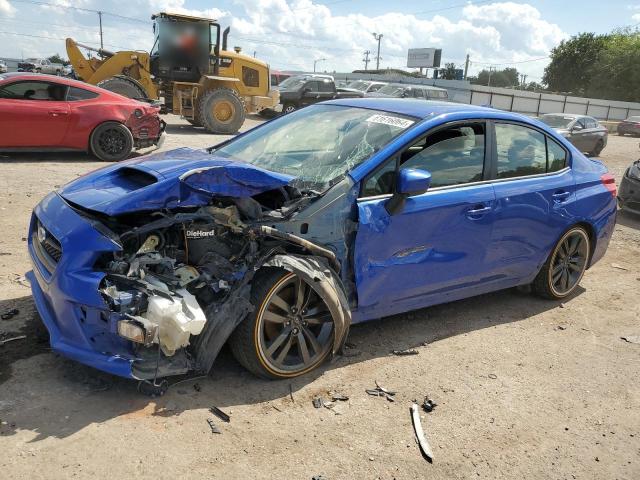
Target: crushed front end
point(152, 293)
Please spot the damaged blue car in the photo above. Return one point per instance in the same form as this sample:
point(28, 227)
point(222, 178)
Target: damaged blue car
point(276, 241)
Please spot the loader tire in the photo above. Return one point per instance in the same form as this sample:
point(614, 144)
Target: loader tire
point(123, 86)
point(221, 111)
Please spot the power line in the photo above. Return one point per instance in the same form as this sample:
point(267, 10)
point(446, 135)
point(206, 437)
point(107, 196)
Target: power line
point(451, 7)
point(57, 38)
point(88, 10)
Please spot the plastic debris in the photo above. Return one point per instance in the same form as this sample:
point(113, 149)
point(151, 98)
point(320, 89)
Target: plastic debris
point(428, 405)
point(317, 402)
point(631, 338)
point(12, 339)
point(338, 397)
point(425, 449)
point(492, 376)
point(9, 314)
point(214, 428)
point(408, 351)
point(220, 414)
point(380, 391)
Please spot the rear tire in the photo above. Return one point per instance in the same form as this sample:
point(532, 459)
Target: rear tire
point(564, 268)
point(221, 111)
point(123, 86)
point(269, 341)
point(111, 142)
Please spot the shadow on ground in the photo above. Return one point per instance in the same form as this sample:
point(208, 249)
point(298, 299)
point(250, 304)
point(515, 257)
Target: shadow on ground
point(75, 396)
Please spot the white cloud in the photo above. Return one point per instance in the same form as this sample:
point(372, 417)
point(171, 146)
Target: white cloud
point(6, 8)
point(290, 34)
point(635, 17)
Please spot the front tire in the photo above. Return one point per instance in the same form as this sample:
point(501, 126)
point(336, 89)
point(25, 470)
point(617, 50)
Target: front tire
point(563, 270)
point(221, 111)
point(597, 150)
point(289, 333)
point(288, 108)
point(111, 142)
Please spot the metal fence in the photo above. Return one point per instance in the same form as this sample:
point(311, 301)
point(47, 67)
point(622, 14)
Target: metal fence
point(521, 101)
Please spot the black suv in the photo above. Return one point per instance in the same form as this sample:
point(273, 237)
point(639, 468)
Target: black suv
point(300, 91)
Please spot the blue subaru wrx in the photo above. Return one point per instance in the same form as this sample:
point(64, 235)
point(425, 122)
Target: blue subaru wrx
point(279, 239)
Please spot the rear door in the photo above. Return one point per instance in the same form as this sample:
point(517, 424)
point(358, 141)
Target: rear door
point(33, 114)
point(534, 188)
point(435, 247)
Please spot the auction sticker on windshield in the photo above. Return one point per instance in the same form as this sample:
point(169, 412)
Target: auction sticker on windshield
point(390, 120)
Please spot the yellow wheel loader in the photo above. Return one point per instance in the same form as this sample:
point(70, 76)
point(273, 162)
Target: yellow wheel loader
point(189, 68)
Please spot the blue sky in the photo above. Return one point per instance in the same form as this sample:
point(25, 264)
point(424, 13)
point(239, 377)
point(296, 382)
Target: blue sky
point(291, 34)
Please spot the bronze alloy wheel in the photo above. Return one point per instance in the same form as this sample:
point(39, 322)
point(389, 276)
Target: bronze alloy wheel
point(224, 111)
point(293, 328)
point(568, 262)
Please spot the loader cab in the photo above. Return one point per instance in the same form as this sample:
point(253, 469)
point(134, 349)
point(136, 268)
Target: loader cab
point(185, 48)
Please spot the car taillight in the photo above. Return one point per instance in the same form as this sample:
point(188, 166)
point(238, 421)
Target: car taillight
point(609, 183)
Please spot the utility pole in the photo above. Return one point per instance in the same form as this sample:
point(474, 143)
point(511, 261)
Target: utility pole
point(100, 20)
point(254, 54)
point(466, 67)
point(378, 37)
point(523, 81)
point(366, 59)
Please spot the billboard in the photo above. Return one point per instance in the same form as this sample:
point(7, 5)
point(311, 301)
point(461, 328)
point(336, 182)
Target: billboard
point(424, 57)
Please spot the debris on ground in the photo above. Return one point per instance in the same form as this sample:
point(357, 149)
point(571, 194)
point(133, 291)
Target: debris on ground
point(425, 449)
point(380, 391)
point(561, 327)
point(428, 405)
point(317, 402)
point(619, 267)
point(631, 338)
point(196, 387)
point(9, 314)
point(12, 339)
point(338, 397)
point(408, 351)
point(220, 414)
point(492, 376)
point(318, 477)
point(214, 428)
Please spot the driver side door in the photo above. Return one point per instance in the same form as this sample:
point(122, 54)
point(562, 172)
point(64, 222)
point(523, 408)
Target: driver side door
point(434, 248)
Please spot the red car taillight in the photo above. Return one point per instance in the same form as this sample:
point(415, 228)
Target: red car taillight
point(609, 183)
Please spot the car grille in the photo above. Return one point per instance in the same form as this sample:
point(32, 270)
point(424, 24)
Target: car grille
point(47, 247)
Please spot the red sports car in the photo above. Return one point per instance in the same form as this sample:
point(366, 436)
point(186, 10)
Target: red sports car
point(43, 112)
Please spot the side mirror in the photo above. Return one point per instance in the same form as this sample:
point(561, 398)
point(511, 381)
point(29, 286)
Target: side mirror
point(409, 182)
point(306, 90)
point(576, 128)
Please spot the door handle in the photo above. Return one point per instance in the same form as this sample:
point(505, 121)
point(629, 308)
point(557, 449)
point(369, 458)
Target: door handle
point(477, 212)
point(561, 196)
point(55, 113)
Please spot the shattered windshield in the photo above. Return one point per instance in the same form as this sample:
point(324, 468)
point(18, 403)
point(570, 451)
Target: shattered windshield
point(292, 83)
point(557, 121)
point(319, 144)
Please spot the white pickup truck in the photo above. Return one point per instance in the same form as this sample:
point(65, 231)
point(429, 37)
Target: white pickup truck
point(41, 65)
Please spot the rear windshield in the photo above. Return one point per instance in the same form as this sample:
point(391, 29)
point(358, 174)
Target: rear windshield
point(557, 121)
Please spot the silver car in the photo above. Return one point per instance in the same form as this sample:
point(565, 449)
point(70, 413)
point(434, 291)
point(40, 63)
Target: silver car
point(586, 134)
point(3, 67)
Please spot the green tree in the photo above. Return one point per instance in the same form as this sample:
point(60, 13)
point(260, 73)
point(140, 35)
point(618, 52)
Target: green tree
point(449, 71)
point(499, 78)
point(58, 59)
point(616, 73)
point(574, 62)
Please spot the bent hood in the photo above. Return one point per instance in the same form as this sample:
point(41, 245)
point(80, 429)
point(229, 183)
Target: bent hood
point(183, 177)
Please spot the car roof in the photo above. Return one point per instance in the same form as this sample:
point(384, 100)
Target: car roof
point(413, 108)
point(43, 77)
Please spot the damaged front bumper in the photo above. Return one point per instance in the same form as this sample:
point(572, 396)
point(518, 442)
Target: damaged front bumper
point(65, 288)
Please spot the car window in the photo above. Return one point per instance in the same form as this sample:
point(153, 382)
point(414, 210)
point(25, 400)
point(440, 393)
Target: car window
point(452, 155)
point(418, 93)
point(592, 123)
point(30, 90)
point(556, 156)
point(313, 86)
point(520, 151)
point(581, 122)
point(375, 88)
point(326, 87)
point(75, 94)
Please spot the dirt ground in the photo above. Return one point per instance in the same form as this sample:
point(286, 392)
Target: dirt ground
point(525, 388)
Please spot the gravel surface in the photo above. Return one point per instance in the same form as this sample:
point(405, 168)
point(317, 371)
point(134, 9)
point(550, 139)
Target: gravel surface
point(525, 388)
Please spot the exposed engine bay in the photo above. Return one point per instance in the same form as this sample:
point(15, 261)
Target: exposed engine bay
point(181, 282)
